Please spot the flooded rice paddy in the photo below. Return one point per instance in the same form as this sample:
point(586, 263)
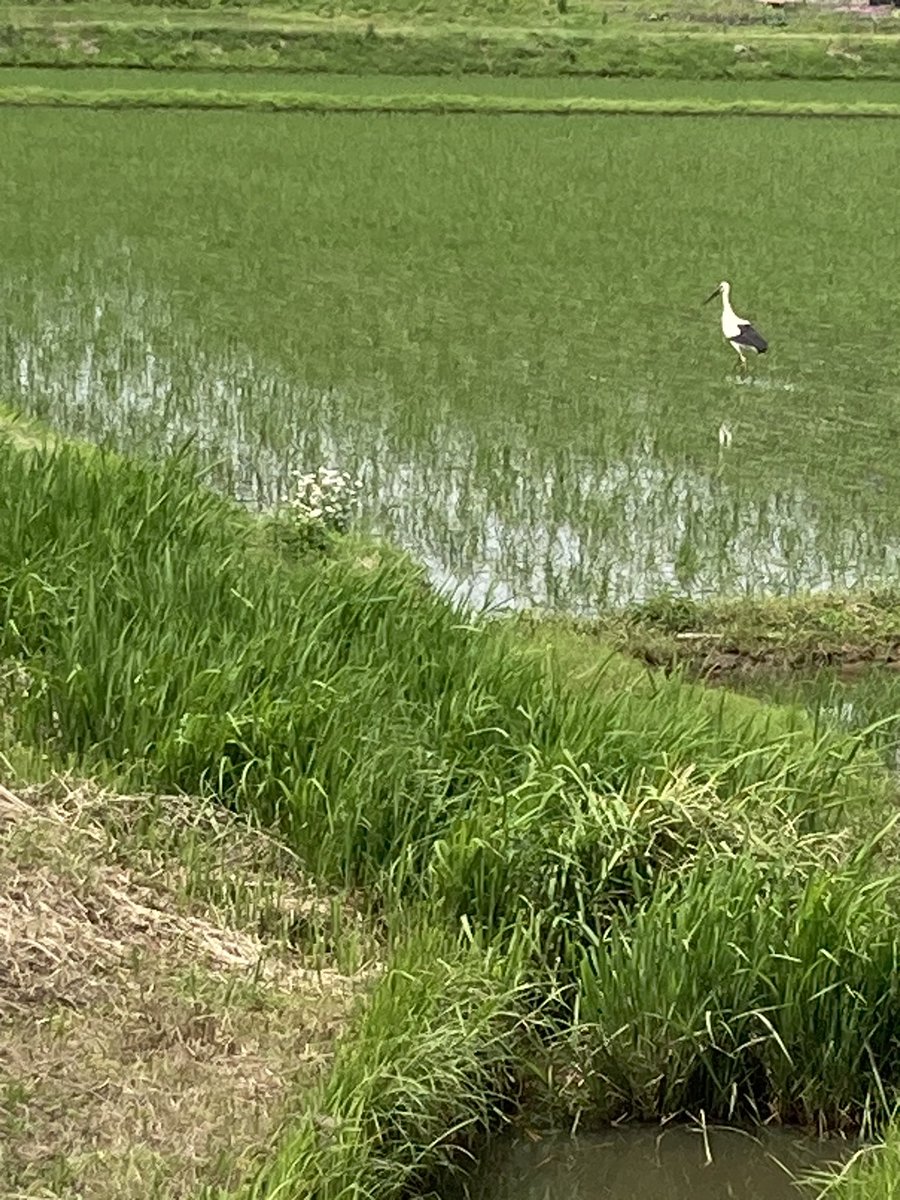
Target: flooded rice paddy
point(652, 1164)
point(496, 323)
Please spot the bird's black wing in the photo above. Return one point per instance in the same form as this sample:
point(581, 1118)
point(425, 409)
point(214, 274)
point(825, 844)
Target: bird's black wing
point(747, 336)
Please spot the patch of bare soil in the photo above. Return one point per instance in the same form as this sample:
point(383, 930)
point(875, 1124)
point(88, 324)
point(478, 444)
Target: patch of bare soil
point(149, 1045)
point(713, 659)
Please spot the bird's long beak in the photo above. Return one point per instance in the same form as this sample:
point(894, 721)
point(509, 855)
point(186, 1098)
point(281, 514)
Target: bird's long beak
point(712, 297)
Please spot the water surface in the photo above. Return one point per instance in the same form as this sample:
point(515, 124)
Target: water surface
point(652, 1164)
point(864, 699)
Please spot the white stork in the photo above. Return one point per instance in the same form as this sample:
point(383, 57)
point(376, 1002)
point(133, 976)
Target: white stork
point(735, 329)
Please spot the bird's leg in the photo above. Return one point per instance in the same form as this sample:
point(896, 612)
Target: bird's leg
point(743, 360)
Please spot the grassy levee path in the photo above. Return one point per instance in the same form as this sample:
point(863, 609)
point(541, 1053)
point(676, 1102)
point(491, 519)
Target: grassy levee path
point(593, 890)
point(443, 104)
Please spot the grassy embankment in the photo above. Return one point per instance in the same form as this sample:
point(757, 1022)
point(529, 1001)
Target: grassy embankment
point(699, 41)
point(606, 892)
point(439, 104)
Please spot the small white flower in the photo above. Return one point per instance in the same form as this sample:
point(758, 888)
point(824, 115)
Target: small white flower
point(325, 497)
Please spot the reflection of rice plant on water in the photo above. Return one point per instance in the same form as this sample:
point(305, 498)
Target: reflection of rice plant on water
point(322, 504)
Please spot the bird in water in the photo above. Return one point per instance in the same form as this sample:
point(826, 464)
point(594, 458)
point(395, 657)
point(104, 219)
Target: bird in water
point(736, 330)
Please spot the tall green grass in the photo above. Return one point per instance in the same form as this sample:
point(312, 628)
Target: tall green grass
point(720, 990)
point(872, 1174)
point(741, 991)
point(608, 893)
point(787, 91)
point(342, 700)
point(429, 1069)
point(867, 700)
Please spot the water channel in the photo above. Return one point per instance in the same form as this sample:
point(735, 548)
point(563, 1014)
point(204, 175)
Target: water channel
point(653, 1163)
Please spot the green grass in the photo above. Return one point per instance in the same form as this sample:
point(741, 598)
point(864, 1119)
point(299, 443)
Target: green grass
point(595, 16)
point(726, 981)
point(865, 698)
point(156, 645)
point(585, 871)
point(428, 1069)
point(872, 1174)
point(441, 104)
point(409, 43)
point(732, 633)
point(24, 433)
point(147, 626)
point(415, 12)
point(459, 311)
point(833, 92)
point(834, 654)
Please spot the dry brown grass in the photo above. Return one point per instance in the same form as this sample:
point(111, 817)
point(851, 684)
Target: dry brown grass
point(159, 1013)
